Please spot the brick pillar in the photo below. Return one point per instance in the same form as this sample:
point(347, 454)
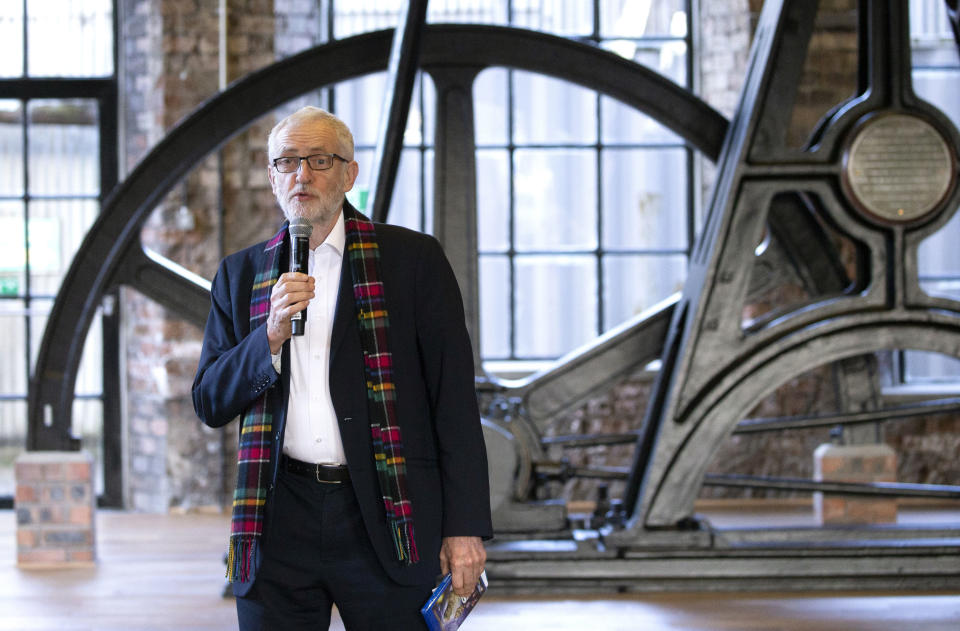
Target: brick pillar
point(854, 463)
point(55, 509)
point(171, 64)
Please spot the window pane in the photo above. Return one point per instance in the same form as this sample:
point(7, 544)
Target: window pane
point(13, 438)
point(428, 158)
point(645, 199)
point(494, 274)
point(467, 11)
point(358, 16)
point(39, 312)
point(551, 111)
point(427, 123)
point(11, 39)
point(924, 366)
point(56, 230)
point(666, 58)
point(937, 255)
point(638, 19)
point(942, 288)
point(633, 283)
point(555, 296)
point(490, 107)
point(11, 147)
point(493, 200)
point(930, 29)
point(405, 207)
point(624, 124)
point(13, 370)
point(366, 178)
point(64, 147)
point(70, 38)
point(559, 17)
point(359, 102)
point(12, 253)
point(939, 87)
point(556, 199)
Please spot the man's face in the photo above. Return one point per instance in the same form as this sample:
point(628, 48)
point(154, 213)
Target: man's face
point(314, 195)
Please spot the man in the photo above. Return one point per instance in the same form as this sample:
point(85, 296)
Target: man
point(362, 473)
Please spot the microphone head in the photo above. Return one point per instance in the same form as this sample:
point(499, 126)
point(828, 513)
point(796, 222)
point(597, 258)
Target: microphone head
point(300, 228)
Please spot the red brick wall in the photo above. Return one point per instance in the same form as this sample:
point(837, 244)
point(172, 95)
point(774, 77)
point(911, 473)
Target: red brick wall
point(55, 507)
point(172, 65)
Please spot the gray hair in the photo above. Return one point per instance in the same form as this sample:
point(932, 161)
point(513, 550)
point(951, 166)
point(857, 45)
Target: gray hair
point(315, 115)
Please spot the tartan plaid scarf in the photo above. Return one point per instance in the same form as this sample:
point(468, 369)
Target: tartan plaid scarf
point(363, 255)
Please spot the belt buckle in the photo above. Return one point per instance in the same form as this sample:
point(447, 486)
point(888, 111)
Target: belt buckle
point(316, 472)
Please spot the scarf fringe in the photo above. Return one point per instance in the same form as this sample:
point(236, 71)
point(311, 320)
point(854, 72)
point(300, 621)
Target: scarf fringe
point(240, 558)
point(405, 543)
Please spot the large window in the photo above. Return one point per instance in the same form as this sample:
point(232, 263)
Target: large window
point(936, 75)
point(585, 210)
point(56, 162)
point(585, 205)
point(584, 215)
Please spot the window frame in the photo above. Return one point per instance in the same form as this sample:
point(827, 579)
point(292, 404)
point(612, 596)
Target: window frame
point(513, 362)
point(103, 90)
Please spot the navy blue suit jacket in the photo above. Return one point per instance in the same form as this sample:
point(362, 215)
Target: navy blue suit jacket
point(433, 371)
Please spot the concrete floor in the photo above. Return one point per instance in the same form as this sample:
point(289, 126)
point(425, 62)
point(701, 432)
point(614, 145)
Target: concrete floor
point(160, 572)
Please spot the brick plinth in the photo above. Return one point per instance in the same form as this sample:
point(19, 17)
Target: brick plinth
point(55, 509)
point(855, 463)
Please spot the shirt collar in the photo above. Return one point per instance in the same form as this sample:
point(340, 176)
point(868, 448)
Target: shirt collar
point(337, 237)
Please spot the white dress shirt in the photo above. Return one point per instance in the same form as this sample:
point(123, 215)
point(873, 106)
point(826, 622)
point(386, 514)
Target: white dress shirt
point(312, 433)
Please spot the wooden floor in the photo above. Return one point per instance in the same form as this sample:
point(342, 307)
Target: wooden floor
point(163, 572)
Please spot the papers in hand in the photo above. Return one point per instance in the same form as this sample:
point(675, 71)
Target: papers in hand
point(444, 610)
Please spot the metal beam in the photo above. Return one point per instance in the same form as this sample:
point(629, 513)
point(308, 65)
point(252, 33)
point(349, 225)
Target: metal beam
point(596, 366)
point(886, 489)
point(455, 188)
point(591, 440)
point(401, 75)
point(173, 286)
point(927, 408)
point(857, 566)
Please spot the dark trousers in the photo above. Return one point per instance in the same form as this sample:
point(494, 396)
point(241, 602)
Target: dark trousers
point(316, 553)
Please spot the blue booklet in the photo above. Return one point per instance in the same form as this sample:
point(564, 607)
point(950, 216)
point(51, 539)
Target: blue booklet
point(444, 610)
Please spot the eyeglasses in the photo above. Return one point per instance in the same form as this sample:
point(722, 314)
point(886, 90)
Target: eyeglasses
point(317, 162)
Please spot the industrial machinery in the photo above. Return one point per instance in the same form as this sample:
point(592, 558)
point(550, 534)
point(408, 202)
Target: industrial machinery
point(880, 171)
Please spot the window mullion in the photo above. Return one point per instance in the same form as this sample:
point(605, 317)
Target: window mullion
point(511, 194)
point(27, 289)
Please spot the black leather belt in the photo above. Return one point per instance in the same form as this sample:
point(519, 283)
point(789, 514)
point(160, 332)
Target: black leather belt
point(325, 473)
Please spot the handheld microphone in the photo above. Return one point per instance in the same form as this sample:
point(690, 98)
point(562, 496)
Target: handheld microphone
point(299, 230)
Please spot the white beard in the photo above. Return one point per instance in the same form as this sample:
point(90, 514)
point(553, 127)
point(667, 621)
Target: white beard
point(319, 211)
